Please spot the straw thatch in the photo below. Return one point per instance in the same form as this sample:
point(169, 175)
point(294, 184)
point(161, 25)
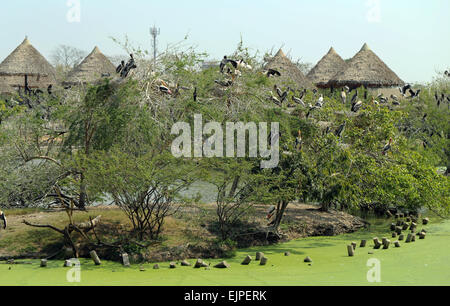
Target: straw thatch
point(290, 73)
point(326, 68)
point(93, 68)
point(366, 69)
point(26, 60)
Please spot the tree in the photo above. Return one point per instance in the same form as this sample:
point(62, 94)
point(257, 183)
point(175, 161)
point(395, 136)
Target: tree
point(65, 58)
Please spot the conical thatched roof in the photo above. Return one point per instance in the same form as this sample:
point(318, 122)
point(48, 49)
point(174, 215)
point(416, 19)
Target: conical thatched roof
point(91, 69)
point(326, 68)
point(367, 69)
point(289, 71)
point(26, 60)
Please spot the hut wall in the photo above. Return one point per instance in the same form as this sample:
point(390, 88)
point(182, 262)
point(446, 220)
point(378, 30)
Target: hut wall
point(12, 82)
point(386, 91)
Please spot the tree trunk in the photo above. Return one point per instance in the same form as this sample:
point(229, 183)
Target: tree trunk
point(279, 215)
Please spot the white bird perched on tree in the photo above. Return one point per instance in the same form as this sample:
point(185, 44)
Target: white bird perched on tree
point(3, 218)
point(356, 106)
point(320, 101)
point(242, 64)
point(343, 96)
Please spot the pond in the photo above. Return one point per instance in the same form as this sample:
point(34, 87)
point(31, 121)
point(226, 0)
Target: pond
point(424, 262)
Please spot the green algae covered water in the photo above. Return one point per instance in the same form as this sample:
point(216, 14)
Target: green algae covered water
point(424, 262)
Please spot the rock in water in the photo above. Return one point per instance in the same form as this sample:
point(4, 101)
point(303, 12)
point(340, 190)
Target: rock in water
point(67, 263)
point(353, 245)
point(363, 244)
point(409, 238)
point(246, 260)
point(156, 267)
point(405, 226)
point(125, 260)
point(172, 265)
point(377, 243)
point(222, 265)
point(422, 235)
point(287, 253)
point(43, 262)
point(413, 238)
point(198, 263)
point(350, 250)
point(393, 226)
point(263, 261)
point(397, 244)
point(386, 244)
point(259, 255)
point(398, 230)
point(394, 235)
point(95, 258)
point(413, 226)
point(425, 221)
point(307, 259)
point(185, 263)
point(401, 237)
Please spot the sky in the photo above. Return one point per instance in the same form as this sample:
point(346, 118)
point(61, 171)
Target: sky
point(411, 36)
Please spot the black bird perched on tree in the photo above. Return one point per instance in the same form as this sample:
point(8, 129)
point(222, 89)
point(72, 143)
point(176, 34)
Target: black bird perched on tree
point(404, 89)
point(424, 117)
point(130, 65)
point(413, 93)
point(120, 67)
point(3, 218)
point(223, 83)
point(340, 129)
point(195, 94)
point(298, 101)
point(49, 89)
point(278, 90)
point(387, 147)
point(355, 96)
point(225, 61)
point(273, 72)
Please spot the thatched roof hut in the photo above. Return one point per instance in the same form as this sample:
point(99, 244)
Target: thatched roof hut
point(93, 68)
point(25, 60)
point(290, 73)
point(366, 69)
point(326, 68)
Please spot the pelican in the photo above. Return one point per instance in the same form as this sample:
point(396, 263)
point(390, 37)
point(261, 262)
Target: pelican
point(3, 218)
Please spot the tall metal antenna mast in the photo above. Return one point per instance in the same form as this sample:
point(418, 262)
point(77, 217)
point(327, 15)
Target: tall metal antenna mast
point(154, 32)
